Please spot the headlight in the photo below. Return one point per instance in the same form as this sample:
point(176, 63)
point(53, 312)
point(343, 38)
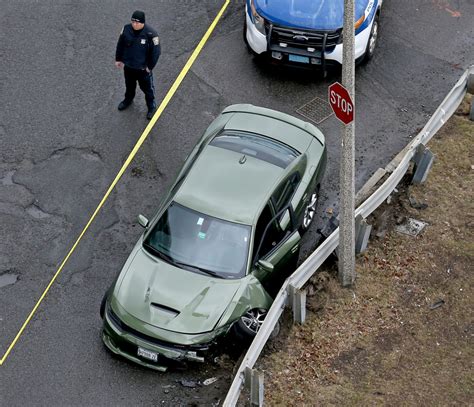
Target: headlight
point(357, 25)
point(359, 22)
point(257, 19)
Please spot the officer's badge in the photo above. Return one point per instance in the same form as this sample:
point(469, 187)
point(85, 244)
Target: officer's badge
point(156, 40)
point(143, 41)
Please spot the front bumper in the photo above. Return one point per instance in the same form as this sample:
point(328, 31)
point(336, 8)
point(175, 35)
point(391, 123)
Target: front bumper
point(259, 43)
point(125, 341)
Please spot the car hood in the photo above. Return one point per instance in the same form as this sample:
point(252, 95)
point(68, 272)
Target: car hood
point(308, 14)
point(171, 298)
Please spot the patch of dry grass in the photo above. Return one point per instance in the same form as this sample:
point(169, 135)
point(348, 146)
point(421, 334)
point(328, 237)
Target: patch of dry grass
point(384, 342)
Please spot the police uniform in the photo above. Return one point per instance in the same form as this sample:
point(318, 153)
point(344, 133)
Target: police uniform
point(138, 50)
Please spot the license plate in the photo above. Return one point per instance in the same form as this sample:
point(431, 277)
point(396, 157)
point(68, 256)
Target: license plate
point(147, 354)
point(298, 58)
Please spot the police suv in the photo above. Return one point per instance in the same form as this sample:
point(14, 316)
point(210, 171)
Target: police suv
point(309, 32)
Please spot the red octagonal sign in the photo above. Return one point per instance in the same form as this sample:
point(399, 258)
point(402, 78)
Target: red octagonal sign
point(341, 102)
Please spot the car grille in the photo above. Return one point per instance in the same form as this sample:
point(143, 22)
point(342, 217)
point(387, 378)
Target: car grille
point(125, 328)
point(303, 39)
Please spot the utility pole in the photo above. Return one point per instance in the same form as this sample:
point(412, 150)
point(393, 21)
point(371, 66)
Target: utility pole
point(346, 174)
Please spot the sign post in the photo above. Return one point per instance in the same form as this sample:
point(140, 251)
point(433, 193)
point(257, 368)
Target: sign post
point(341, 99)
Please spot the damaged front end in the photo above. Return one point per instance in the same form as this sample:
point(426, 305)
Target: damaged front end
point(149, 351)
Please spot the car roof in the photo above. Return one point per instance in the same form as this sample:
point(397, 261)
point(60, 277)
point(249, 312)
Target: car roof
point(219, 185)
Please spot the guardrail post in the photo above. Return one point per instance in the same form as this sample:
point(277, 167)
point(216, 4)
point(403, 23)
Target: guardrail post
point(298, 304)
point(363, 230)
point(470, 83)
point(423, 161)
point(254, 382)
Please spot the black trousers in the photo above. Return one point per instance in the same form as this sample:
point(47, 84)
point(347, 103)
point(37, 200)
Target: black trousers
point(145, 81)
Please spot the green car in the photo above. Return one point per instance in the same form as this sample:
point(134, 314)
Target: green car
point(228, 228)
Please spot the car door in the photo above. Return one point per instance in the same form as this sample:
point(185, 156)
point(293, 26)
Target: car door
point(283, 196)
point(276, 251)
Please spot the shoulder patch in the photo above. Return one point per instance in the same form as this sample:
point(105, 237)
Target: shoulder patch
point(156, 40)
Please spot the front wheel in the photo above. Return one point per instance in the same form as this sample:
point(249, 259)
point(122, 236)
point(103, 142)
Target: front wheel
point(372, 42)
point(248, 325)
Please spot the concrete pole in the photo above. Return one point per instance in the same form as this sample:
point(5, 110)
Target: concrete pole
point(347, 226)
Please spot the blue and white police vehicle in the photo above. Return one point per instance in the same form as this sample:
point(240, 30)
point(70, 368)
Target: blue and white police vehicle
point(309, 32)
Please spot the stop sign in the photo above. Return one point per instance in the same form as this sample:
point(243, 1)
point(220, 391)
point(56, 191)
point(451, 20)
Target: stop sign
point(341, 102)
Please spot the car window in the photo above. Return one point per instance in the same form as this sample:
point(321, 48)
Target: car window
point(263, 148)
point(199, 242)
point(266, 238)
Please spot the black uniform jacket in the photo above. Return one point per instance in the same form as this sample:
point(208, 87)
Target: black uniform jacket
point(138, 49)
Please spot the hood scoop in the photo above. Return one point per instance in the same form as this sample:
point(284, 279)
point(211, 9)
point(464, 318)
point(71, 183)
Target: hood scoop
point(168, 311)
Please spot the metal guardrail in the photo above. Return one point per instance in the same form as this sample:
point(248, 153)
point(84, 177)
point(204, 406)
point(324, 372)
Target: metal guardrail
point(316, 259)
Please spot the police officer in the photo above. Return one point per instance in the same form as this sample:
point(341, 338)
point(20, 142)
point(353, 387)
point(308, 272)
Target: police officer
point(138, 50)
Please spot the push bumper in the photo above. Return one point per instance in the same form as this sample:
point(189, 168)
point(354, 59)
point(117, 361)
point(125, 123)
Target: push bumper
point(258, 42)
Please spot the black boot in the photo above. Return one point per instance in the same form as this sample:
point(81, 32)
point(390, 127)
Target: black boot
point(124, 104)
point(151, 112)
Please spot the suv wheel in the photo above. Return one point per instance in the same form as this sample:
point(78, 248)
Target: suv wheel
point(372, 42)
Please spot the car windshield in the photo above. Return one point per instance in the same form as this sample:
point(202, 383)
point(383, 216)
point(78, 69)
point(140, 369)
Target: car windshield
point(200, 243)
point(263, 148)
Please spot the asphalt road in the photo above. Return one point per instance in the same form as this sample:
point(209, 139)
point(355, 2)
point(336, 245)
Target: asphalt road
point(63, 141)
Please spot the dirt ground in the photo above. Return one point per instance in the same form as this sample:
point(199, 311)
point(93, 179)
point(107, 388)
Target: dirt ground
point(403, 335)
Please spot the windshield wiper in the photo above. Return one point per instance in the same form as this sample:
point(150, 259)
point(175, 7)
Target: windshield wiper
point(161, 255)
point(196, 268)
point(170, 260)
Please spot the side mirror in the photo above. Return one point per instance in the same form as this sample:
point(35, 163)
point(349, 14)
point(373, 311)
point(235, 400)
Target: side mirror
point(265, 265)
point(143, 221)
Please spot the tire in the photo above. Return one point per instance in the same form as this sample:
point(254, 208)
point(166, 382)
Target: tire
point(372, 42)
point(249, 324)
point(310, 211)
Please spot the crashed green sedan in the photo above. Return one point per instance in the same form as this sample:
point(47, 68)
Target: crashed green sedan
point(230, 225)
